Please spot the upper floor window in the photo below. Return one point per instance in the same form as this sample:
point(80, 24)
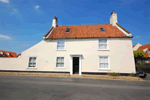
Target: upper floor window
point(61, 45)
point(149, 52)
point(102, 44)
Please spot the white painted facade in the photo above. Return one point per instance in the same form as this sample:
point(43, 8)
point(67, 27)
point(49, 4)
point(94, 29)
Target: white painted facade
point(120, 55)
point(136, 46)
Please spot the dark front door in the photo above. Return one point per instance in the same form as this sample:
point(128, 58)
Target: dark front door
point(75, 65)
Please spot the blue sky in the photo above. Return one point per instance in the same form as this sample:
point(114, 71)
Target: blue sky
point(23, 23)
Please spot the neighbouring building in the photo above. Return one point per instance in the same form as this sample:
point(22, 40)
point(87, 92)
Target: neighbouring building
point(99, 48)
point(7, 54)
point(146, 50)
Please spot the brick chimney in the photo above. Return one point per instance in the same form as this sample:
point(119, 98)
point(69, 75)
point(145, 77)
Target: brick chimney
point(113, 18)
point(55, 22)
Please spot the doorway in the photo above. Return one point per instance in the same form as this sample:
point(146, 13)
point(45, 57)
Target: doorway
point(75, 65)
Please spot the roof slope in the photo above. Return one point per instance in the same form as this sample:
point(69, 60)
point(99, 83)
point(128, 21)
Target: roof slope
point(13, 54)
point(86, 31)
point(144, 46)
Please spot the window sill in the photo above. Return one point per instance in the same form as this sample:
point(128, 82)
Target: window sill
point(31, 67)
point(60, 50)
point(103, 50)
point(104, 69)
point(60, 67)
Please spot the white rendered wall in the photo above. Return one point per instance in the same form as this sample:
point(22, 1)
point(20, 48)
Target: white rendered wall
point(136, 47)
point(120, 53)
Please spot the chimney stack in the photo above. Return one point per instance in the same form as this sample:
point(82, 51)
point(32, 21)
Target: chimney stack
point(113, 18)
point(55, 22)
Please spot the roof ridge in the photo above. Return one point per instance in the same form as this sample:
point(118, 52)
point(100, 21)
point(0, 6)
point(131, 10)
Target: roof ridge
point(84, 24)
point(6, 51)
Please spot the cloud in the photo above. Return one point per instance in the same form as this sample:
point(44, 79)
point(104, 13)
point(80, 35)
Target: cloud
point(5, 37)
point(37, 7)
point(4, 1)
point(15, 11)
point(137, 37)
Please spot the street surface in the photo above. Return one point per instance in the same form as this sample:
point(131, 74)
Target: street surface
point(54, 88)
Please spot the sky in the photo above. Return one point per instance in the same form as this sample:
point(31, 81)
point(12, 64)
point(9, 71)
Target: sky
point(23, 23)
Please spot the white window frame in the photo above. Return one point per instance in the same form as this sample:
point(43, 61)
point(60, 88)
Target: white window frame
point(35, 62)
point(63, 62)
point(102, 43)
point(61, 44)
point(108, 64)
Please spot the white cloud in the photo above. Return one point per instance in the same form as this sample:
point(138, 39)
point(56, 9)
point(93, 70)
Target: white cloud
point(15, 11)
point(137, 37)
point(5, 37)
point(37, 6)
point(4, 1)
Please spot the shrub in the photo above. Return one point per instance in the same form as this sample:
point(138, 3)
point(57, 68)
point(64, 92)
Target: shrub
point(133, 75)
point(113, 74)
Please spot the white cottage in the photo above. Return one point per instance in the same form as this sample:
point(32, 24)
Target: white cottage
point(100, 48)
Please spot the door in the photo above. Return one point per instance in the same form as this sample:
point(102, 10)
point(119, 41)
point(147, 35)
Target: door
point(75, 65)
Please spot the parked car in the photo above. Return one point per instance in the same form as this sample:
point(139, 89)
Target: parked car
point(141, 74)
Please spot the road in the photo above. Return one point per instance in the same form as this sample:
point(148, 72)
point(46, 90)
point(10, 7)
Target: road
point(53, 88)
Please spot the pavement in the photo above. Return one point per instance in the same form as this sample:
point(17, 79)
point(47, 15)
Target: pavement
point(55, 88)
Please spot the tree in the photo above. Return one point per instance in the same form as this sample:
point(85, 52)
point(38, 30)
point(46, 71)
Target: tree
point(138, 56)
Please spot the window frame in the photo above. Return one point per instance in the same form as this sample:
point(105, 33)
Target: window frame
point(63, 62)
point(64, 45)
point(107, 48)
point(100, 63)
point(35, 62)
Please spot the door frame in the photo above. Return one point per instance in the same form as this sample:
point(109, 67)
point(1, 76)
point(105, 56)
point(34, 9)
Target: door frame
point(71, 64)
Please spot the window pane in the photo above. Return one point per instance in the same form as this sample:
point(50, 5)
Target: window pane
point(106, 65)
point(101, 65)
point(58, 65)
point(63, 47)
point(61, 42)
point(62, 59)
point(30, 64)
point(105, 59)
point(58, 59)
point(62, 64)
point(58, 47)
point(102, 46)
point(101, 59)
point(34, 64)
point(103, 41)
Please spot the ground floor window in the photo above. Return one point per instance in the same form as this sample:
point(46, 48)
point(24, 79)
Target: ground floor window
point(103, 62)
point(60, 62)
point(32, 62)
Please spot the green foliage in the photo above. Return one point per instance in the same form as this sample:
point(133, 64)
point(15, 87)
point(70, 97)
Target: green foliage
point(139, 54)
point(113, 74)
point(133, 75)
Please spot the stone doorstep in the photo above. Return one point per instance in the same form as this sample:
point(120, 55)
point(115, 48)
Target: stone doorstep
point(74, 76)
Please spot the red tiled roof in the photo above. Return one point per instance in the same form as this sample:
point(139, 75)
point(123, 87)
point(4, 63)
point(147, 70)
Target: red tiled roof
point(13, 54)
point(144, 47)
point(146, 53)
point(86, 31)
